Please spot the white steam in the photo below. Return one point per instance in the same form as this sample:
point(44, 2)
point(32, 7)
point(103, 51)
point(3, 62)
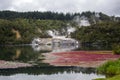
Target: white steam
point(82, 21)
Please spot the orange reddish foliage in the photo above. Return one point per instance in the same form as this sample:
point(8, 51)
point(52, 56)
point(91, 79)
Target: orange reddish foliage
point(78, 58)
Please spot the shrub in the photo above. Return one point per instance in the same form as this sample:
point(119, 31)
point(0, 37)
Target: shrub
point(116, 49)
point(110, 68)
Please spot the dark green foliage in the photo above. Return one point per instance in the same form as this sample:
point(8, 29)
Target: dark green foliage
point(27, 28)
point(87, 14)
point(48, 15)
point(34, 24)
point(22, 26)
point(100, 33)
point(35, 15)
point(104, 17)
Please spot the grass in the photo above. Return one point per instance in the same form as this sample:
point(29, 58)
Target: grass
point(117, 77)
point(114, 78)
point(110, 69)
point(100, 79)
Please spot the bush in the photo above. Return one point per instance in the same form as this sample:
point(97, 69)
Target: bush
point(110, 68)
point(116, 49)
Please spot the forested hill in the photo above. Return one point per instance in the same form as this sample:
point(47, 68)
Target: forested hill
point(53, 15)
point(22, 27)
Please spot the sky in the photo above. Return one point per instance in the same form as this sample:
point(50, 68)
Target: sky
point(110, 7)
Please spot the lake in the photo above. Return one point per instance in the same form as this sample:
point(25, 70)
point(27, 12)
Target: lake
point(43, 71)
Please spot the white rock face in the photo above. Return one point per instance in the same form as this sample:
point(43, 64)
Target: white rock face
point(97, 15)
point(82, 21)
point(66, 32)
point(36, 41)
point(51, 33)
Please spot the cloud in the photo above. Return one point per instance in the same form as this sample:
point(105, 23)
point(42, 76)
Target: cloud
point(110, 7)
point(5, 4)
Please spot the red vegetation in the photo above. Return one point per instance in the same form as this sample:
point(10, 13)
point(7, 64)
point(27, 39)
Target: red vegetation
point(81, 58)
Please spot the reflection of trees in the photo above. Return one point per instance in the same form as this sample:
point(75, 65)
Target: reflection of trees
point(26, 54)
point(64, 47)
point(17, 54)
point(42, 47)
point(48, 70)
point(21, 53)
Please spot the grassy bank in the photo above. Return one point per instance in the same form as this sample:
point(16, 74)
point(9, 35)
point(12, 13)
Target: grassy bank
point(117, 77)
point(111, 69)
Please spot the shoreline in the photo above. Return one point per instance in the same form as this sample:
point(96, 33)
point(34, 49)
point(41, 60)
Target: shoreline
point(86, 59)
point(12, 65)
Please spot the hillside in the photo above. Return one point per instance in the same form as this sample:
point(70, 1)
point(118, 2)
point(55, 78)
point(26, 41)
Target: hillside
point(93, 27)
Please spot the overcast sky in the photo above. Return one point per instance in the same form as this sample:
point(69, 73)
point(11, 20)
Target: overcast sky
point(111, 7)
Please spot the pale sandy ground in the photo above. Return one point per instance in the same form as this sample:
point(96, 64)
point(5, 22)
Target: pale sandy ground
point(7, 64)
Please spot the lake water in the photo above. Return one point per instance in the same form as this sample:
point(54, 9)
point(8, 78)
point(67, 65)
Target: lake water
point(42, 71)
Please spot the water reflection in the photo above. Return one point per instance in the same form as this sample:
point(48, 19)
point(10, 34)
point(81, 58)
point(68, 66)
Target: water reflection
point(64, 76)
point(55, 48)
point(46, 70)
point(34, 54)
point(42, 47)
point(30, 54)
point(49, 73)
point(64, 48)
point(20, 53)
point(42, 71)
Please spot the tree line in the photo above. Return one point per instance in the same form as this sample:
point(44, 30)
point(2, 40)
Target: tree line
point(48, 15)
point(35, 15)
point(106, 33)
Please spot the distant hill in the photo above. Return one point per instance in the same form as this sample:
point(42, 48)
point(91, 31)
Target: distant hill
point(23, 27)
